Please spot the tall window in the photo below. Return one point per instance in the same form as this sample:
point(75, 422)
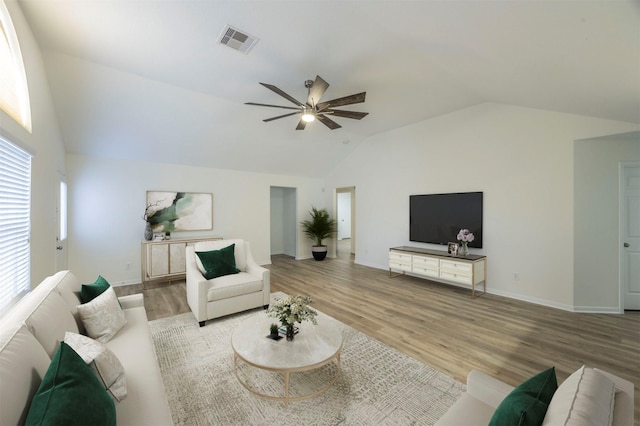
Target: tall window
point(15, 201)
point(14, 94)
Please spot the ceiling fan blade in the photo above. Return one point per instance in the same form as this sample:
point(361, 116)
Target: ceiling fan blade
point(283, 94)
point(316, 91)
point(301, 124)
point(266, 120)
point(347, 100)
point(346, 114)
point(327, 122)
point(268, 105)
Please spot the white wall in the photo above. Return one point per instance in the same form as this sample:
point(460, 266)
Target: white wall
point(107, 200)
point(521, 158)
point(597, 219)
point(45, 143)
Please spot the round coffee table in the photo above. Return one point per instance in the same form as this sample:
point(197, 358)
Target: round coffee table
point(313, 347)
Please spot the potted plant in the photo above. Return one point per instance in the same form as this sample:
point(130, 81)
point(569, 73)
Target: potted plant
point(274, 330)
point(320, 226)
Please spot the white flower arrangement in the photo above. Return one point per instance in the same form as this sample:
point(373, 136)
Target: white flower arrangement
point(292, 309)
point(465, 236)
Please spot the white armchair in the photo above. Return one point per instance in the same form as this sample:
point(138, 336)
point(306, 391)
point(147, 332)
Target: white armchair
point(228, 294)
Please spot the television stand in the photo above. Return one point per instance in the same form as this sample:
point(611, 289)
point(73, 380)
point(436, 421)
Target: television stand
point(438, 265)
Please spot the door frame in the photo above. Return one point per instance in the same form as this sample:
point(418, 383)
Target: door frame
point(621, 226)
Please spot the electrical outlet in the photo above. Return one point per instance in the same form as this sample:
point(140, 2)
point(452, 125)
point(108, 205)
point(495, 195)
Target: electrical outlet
point(516, 276)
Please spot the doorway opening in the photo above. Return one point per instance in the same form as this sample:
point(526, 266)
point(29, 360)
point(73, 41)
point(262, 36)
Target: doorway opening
point(284, 221)
point(345, 202)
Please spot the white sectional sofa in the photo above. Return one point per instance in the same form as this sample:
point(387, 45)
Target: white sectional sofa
point(575, 402)
point(30, 334)
point(212, 298)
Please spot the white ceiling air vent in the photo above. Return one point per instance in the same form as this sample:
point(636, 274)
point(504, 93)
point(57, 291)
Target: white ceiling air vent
point(236, 39)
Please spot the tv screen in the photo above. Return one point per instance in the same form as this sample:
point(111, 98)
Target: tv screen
point(437, 218)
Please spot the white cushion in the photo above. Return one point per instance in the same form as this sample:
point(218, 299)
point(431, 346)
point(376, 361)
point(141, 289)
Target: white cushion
point(585, 398)
point(233, 285)
point(238, 250)
point(50, 320)
point(103, 362)
point(23, 364)
point(102, 317)
point(146, 402)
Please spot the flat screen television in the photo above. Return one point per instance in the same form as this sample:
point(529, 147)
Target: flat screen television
point(437, 218)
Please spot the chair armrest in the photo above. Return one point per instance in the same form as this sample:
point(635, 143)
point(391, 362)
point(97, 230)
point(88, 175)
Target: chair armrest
point(487, 389)
point(624, 401)
point(265, 275)
point(132, 301)
point(197, 286)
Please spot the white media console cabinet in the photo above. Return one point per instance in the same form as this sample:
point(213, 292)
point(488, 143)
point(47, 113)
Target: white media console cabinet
point(469, 270)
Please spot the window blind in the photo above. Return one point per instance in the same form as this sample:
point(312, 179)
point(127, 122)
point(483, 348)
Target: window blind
point(15, 200)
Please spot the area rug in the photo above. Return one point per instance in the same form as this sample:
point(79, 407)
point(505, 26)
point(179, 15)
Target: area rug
point(376, 385)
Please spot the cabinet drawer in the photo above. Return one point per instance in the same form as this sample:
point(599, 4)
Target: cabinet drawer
point(458, 278)
point(399, 266)
point(425, 271)
point(399, 257)
point(425, 262)
point(456, 267)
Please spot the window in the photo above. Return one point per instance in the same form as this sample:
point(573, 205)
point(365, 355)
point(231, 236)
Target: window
point(15, 202)
point(62, 212)
point(14, 94)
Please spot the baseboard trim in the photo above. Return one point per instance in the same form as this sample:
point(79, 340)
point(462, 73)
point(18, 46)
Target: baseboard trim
point(597, 310)
point(123, 283)
point(530, 299)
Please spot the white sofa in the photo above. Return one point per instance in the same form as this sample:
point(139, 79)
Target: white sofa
point(485, 393)
point(30, 333)
point(228, 294)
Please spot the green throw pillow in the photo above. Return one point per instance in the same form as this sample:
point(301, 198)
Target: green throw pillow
point(527, 404)
point(70, 394)
point(217, 263)
point(88, 292)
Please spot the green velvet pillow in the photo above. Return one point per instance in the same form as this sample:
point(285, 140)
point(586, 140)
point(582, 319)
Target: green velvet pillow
point(88, 292)
point(527, 404)
point(70, 394)
point(217, 263)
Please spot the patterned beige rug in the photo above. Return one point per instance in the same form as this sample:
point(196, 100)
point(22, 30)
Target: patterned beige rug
point(377, 384)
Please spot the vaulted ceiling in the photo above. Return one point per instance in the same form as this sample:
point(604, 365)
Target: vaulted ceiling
point(147, 80)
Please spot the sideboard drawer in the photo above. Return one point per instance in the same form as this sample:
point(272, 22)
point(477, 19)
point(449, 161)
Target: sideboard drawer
point(458, 278)
point(456, 267)
point(425, 271)
point(425, 262)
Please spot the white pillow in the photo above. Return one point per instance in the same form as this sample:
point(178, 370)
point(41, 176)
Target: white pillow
point(103, 362)
point(585, 398)
point(102, 317)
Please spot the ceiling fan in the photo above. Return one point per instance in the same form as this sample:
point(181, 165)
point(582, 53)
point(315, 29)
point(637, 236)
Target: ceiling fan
point(313, 109)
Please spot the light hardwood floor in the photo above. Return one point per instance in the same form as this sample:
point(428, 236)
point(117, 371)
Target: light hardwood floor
point(441, 326)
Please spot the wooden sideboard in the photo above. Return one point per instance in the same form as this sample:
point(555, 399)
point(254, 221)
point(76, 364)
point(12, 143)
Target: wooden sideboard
point(469, 270)
point(165, 260)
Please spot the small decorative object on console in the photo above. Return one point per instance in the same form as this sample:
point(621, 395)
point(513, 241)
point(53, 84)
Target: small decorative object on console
point(292, 309)
point(465, 237)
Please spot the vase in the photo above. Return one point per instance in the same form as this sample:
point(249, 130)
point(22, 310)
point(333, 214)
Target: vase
point(464, 249)
point(290, 332)
point(148, 232)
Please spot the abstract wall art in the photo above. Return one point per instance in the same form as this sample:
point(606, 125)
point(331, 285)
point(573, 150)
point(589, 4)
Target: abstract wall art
point(179, 211)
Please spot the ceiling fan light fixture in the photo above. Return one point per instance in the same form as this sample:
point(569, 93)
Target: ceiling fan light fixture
point(308, 115)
